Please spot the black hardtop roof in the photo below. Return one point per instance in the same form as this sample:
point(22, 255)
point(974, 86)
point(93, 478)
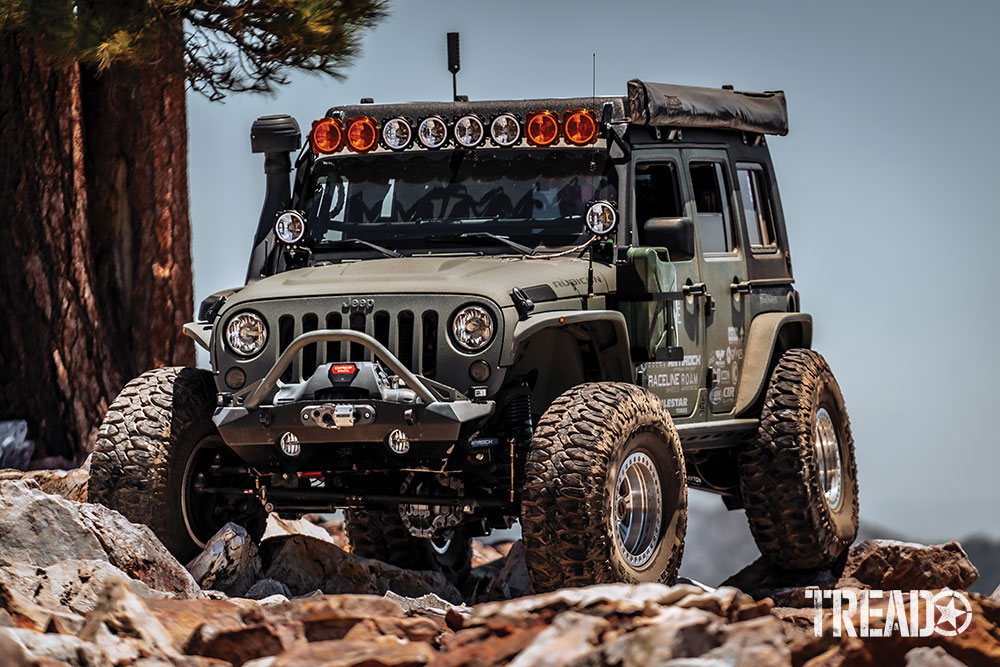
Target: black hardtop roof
point(654, 104)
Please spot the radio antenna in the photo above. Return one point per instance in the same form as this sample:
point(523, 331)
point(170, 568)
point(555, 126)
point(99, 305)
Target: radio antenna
point(594, 70)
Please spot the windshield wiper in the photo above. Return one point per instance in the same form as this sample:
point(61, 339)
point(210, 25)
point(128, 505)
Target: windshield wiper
point(388, 252)
point(446, 238)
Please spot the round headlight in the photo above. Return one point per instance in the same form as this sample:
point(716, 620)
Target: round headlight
point(433, 132)
point(505, 130)
point(469, 131)
point(601, 218)
point(473, 327)
point(290, 227)
point(397, 133)
point(246, 334)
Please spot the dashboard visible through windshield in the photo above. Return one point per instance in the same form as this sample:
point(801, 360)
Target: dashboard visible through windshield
point(537, 198)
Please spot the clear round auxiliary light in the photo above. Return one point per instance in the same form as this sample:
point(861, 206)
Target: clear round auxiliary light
point(397, 133)
point(505, 130)
point(290, 227)
point(601, 217)
point(433, 132)
point(473, 328)
point(398, 442)
point(289, 444)
point(469, 131)
point(246, 334)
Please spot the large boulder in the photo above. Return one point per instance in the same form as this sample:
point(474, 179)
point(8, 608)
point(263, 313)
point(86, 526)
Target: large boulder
point(228, 563)
point(43, 530)
point(889, 565)
point(306, 564)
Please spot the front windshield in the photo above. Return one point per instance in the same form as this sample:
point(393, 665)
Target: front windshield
point(410, 200)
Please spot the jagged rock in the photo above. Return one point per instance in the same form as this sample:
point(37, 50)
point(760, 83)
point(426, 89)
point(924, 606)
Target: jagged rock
point(228, 563)
point(674, 633)
point(888, 565)
point(125, 627)
point(305, 564)
point(383, 653)
point(15, 448)
point(760, 580)
point(427, 605)
point(501, 579)
point(570, 636)
point(180, 618)
point(19, 646)
point(70, 585)
point(241, 645)
point(18, 609)
point(266, 589)
point(42, 530)
point(70, 484)
point(996, 595)
point(483, 554)
point(925, 656)
point(278, 527)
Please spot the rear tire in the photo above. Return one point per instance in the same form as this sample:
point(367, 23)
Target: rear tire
point(605, 493)
point(383, 536)
point(799, 477)
point(157, 437)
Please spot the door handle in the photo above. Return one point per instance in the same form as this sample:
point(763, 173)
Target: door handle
point(697, 289)
point(744, 287)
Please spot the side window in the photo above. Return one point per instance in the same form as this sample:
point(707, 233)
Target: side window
point(715, 224)
point(757, 209)
point(657, 194)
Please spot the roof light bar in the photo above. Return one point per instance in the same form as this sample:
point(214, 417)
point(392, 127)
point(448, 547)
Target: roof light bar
point(327, 135)
point(542, 128)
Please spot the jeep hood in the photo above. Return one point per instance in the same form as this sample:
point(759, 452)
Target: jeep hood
point(492, 277)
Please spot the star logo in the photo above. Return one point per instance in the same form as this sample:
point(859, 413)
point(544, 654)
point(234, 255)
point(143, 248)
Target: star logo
point(952, 619)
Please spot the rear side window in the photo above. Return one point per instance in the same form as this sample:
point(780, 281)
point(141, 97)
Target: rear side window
point(715, 224)
point(757, 209)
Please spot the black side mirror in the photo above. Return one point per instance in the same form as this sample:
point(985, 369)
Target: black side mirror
point(674, 234)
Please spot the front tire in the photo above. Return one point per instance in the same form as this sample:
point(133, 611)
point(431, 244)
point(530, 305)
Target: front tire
point(799, 477)
point(154, 448)
point(605, 493)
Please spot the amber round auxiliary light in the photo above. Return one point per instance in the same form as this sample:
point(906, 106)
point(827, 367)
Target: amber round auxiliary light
point(542, 128)
point(327, 135)
point(580, 127)
point(362, 134)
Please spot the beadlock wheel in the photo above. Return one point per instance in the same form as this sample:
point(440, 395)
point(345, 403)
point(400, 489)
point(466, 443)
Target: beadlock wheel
point(638, 509)
point(829, 465)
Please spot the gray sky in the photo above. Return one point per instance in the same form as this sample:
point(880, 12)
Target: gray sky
point(888, 180)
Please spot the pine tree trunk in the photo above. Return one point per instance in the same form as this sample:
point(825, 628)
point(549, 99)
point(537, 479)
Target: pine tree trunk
point(95, 259)
point(58, 369)
point(136, 169)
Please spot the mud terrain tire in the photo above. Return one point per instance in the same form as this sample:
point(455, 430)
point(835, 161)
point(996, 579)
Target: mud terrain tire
point(383, 536)
point(150, 433)
point(792, 520)
point(571, 507)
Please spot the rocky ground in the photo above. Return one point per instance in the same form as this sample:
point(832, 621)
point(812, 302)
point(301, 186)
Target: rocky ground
point(80, 585)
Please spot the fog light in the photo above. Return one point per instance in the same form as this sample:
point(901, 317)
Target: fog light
point(479, 371)
point(289, 444)
point(235, 378)
point(398, 442)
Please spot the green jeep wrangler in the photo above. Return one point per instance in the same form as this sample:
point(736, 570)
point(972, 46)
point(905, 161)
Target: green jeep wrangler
point(461, 314)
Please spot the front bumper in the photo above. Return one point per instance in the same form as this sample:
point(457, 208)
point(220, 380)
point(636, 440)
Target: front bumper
point(254, 420)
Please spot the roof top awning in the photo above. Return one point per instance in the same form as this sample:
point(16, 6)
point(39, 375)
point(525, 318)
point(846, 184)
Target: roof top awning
point(663, 104)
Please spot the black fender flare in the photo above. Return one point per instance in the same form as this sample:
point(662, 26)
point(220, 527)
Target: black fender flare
point(607, 325)
point(770, 335)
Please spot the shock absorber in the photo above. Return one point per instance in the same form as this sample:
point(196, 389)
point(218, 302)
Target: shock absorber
point(517, 415)
point(517, 426)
